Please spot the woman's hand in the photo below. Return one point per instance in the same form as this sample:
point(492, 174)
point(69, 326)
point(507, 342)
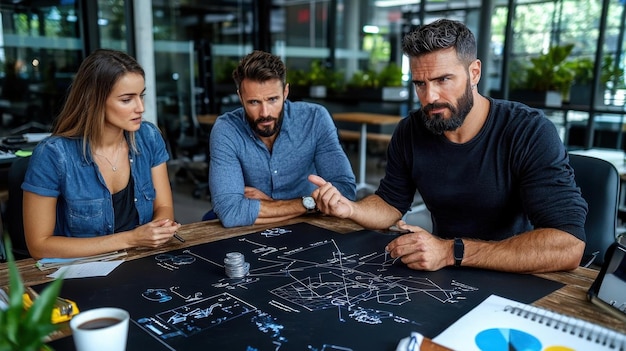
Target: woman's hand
point(155, 233)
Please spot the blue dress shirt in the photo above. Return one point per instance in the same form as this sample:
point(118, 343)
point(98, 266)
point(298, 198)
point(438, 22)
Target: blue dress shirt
point(307, 143)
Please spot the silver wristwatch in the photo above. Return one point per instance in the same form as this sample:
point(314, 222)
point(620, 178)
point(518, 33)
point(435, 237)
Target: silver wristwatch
point(309, 203)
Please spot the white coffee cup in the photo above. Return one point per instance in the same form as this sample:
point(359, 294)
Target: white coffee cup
point(100, 329)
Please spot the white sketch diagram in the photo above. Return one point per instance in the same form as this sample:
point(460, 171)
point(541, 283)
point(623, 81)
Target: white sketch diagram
point(317, 276)
point(195, 317)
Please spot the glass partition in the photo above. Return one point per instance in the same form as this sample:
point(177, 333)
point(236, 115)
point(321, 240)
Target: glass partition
point(40, 49)
point(198, 42)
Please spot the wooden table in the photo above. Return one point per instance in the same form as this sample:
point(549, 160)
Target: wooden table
point(569, 300)
point(365, 119)
point(209, 120)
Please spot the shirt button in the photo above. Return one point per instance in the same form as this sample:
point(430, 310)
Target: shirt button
point(275, 172)
point(135, 199)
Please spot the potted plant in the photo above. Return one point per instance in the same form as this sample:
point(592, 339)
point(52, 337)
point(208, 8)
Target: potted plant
point(390, 76)
point(390, 79)
point(386, 85)
point(611, 77)
point(26, 330)
point(547, 79)
point(580, 92)
point(316, 81)
point(298, 84)
point(363, 84)
point(223, 73)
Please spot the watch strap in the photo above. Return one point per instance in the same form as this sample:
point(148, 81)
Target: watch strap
point(459, 251)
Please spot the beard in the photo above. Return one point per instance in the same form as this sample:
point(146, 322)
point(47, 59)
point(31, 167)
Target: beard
point(438, 124)
point(266, 131)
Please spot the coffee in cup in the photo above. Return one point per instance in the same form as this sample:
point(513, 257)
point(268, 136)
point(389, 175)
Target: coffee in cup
point(100, 329)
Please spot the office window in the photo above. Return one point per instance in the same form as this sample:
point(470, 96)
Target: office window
point(40, 49)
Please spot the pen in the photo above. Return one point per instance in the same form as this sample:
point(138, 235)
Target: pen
point(179, 238)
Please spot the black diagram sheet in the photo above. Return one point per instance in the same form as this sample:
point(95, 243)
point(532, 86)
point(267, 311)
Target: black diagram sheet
point(306, 288)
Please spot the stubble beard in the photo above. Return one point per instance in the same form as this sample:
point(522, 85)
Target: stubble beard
point(266, 132)
point(438, 124)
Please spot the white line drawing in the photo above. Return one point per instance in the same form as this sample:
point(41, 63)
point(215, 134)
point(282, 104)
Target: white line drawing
point(312, 277)
point(157, 295)
point(274, 232)
point(203, 258)
point(164, 266)
point(174, 288)
point(283, 306)
point(188, 298)
point(195, 317)
point(346, 280)
point(341, 281)
point(174, 260)
point(327, 347)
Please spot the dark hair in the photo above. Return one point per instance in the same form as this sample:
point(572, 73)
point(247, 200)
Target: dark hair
point(260, 66)
point(83, 113)
point(439, 35)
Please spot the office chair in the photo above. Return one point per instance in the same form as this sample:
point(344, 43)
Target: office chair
point(190, 154)
point(14, 222)
point(599, 183)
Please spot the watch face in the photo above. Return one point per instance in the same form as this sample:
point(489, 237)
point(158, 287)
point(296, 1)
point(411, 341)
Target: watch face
point(308, 202)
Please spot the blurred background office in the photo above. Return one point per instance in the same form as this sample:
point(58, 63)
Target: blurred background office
point(564, 56)
point(189, 47)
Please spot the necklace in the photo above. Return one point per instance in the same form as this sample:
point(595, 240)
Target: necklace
point(117, 156)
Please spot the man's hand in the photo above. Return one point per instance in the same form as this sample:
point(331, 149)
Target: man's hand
point(419, 249)
point(329, 200)
point(254, 193)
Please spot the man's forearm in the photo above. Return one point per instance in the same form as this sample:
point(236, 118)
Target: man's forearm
point(537, 251)
point(279, 210)
point(373, 212)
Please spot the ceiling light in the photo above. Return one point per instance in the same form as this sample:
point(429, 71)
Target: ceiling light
point(390, 3)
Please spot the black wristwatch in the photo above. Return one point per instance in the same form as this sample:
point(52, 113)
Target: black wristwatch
point(459, 250)
point(309, 204)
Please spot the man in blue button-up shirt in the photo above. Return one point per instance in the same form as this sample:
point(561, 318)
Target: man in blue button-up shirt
point(263, 152)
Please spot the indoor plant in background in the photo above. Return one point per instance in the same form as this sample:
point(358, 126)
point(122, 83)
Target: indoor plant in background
point(316, 82)
point(611, 78)
point(390, 79)
point(580, 92)
point(26, 330)
point(223, 74)
point(385, 85)
point(546, 80)
point(363, 85)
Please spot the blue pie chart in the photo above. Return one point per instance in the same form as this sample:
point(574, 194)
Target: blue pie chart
point(505, 339)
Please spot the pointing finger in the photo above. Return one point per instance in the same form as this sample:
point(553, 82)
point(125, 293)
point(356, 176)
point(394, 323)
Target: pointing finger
point(317, 180)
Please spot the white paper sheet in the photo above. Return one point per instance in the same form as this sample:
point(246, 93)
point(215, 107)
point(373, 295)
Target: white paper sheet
point(89, 269)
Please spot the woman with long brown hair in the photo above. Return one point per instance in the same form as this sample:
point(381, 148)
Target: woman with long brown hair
point(99, 183)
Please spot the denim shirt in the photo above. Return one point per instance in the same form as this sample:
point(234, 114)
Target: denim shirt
point(307, 143)
point(58, 169)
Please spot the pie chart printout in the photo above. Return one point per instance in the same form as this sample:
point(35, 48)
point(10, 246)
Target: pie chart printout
point(505, 339)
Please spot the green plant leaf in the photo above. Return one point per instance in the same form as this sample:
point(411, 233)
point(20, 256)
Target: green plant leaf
point(550, 71)
point(22, 330)
point(16, 290)
point(390, 76)
point(41, 310)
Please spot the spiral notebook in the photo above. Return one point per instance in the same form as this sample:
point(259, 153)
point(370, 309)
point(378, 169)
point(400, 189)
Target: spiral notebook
point(502, 324)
